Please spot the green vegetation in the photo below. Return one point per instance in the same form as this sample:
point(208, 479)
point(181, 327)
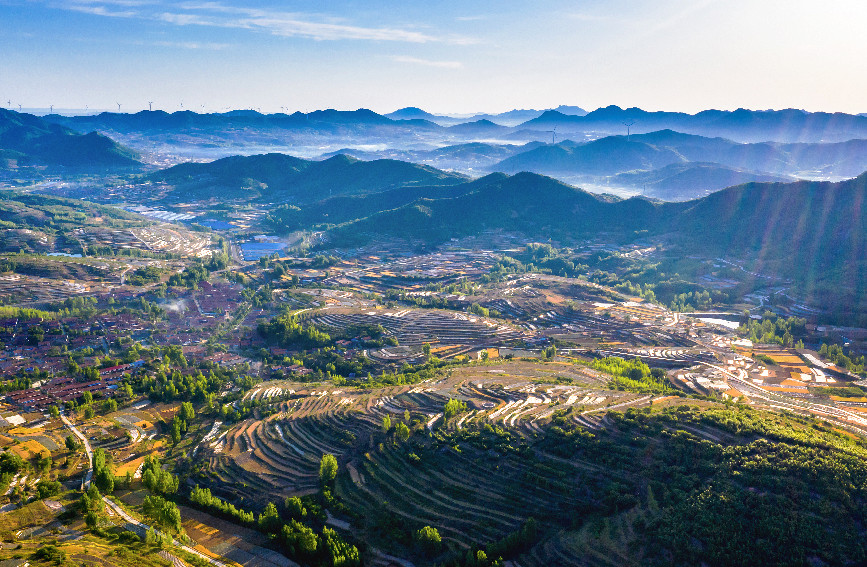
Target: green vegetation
point(203, 498)
point(164, 513)
point(429, 540)
point(144, 276)
point(286, 331)
point(772, 329)
point(845, 392)
point(156, 479)
point(453, 407)
point(298, 540)
point(835, 354)
point(327, 469)
point(633, 375)
point(50, 553)
point(199, 272)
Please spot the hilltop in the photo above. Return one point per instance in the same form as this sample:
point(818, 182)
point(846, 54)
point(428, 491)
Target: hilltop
point(281, 177)
point(686, 181)
point(28, 140)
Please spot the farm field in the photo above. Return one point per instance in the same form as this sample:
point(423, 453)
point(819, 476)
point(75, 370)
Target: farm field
point(531, 436)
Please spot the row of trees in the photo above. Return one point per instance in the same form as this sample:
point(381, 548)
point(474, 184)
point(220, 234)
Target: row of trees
point(772, 329)
point(308, 544)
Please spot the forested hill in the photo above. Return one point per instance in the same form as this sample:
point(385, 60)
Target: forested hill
point(814, 233)
point(535, 205)
point(29, 140)
point(816, 218)
point(278, 177)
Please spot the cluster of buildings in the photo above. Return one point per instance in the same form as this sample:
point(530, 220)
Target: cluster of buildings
point(62, 389)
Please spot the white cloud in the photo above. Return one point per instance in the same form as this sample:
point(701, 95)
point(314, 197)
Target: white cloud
point(318, 27)
point(290, 26)
point(99, 10)
point(427, 62)
point(192, 45)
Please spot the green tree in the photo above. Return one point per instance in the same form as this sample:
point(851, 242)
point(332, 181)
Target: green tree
point(105, 481)
point(294, 508)
point(109, 406)
point(454, 407)
point(44, 462)
point(269, 519)
point(187, 412)
point(402, 432)
point(50, 553)
point(92, 520)
point(386, 423)
point(429, 540)
point(328, 468)
point(72, 444)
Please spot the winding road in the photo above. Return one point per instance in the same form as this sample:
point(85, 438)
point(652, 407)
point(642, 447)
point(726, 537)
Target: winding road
point(117, 509)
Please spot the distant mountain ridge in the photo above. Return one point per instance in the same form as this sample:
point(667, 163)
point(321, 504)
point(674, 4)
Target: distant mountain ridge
point(613, 155)
point(686, 181)
point(742, 125)
point(508, 118)
point(29, 140)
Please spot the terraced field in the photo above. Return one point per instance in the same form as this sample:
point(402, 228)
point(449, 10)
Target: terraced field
point(415, 327)
point(475, 476)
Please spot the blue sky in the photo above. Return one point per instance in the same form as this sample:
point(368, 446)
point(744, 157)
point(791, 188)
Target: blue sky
point(444, 56)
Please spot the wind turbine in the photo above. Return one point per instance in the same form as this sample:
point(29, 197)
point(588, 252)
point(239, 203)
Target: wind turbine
point(118, 107)
point(19, 107)
point(50, 109)
point(150, 105)
point(9, 103)
point(628, 126)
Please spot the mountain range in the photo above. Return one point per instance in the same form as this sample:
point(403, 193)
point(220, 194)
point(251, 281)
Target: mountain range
point(788, 126)
point(741, 125)
point(510, 118)
point(27, 140)
point(616, 154)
